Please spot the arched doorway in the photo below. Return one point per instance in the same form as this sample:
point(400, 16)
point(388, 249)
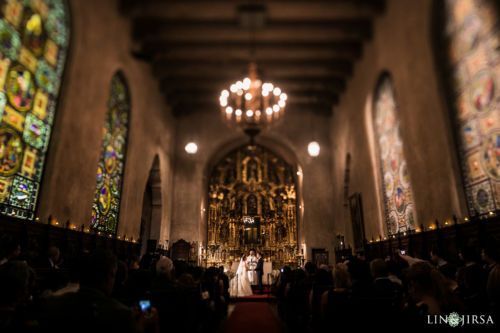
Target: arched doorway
point(252, 203)
point(151, 210)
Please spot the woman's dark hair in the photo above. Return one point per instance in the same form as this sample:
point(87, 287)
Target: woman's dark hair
point(8, 245)
point(323, 278)
point(197, 273)
point(146, 261)
point(14, 283)
point(97, 266)
point(471, 252)
point(299, 275)
point(359, 270)
point(121, 273)
point(491, 248)
point(310, 267)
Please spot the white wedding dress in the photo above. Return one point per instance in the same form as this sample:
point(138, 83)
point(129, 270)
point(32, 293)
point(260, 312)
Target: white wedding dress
point(239, 286)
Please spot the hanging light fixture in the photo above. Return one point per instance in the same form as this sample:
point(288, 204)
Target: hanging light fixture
point(251, 104)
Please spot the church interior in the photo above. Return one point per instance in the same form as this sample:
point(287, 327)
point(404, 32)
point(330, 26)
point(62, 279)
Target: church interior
point(249, 165)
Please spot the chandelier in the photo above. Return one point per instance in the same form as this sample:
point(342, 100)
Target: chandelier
point(251, 104)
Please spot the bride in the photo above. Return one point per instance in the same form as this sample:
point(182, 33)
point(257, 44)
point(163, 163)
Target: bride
point(240, 284)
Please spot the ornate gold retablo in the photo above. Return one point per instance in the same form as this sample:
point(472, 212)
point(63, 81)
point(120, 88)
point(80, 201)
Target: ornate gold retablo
point(252, 204)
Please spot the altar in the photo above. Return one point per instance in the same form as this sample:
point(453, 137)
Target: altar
point(252, 205)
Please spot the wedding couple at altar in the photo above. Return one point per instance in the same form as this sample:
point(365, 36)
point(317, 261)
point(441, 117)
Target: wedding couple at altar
point(248, 274)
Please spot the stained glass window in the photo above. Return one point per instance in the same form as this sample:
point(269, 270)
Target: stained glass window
point(472, 33)
point(106, 206)
point(398, 198)
point(33, 43)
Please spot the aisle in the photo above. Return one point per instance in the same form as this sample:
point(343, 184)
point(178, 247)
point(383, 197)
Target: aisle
point(252, 317)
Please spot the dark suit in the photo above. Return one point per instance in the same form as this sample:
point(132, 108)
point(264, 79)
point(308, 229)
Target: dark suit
point(260, 271)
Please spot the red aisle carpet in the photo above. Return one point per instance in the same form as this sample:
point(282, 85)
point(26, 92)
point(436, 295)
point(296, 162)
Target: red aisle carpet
point(252, 317)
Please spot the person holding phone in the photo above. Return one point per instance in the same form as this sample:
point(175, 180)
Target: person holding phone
point(92, 308)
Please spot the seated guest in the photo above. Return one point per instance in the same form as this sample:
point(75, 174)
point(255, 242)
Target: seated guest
point(359, 271)
point(436, 258)
point(51, 277)
point(225, 282)
point(139, 279)
point(53, 257)
point(429, 292)
point(386, 295)
point(383, 285)
point(446, 268)
point(177, 303)
point(280, 288)
point(322, 283)
point(493, 290)
point(92, 308)
point(73, 284)
point(491, 256)
point(133, 263)
point(335, 303)
point(394, 271)
point(10, 248)
point(297, 296)
point(472, 280)
point(165, 269)
point(211, 293)
point(120, 288)
point(14, 291)
point(310, 269)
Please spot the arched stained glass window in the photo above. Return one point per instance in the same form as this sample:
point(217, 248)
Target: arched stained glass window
point(398, 198)
point(34, 37)
point(472, 32)
point(107, 196)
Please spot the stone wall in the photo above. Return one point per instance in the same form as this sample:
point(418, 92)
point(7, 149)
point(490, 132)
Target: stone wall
point(101, 45)
point(402, 45)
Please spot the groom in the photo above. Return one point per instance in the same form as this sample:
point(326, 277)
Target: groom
point(260, 270)
point(252, 265)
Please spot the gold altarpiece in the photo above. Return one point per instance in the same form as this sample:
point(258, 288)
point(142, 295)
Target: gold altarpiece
point(252, 204)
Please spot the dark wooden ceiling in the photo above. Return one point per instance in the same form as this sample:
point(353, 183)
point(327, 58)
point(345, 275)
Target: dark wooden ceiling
point(199, 47)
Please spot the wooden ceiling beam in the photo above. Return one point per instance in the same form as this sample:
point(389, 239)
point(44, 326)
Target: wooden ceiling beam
point(241, 51)
point(163, 31)
point(185, 108)
point(275, 9)
point(289, 85)
point(238, 70)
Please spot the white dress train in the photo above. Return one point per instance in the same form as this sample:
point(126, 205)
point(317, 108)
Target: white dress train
point(239, 286)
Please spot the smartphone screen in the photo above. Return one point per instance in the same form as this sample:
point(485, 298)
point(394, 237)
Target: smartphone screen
point(145, 305)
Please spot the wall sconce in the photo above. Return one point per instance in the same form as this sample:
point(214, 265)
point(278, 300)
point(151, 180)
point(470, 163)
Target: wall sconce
point(191, 148)
point(313, 149)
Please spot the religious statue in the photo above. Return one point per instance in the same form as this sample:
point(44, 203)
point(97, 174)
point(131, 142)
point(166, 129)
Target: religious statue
point(252, 205)
point(252, 170)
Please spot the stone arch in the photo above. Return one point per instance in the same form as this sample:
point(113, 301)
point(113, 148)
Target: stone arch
point(151, 209)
